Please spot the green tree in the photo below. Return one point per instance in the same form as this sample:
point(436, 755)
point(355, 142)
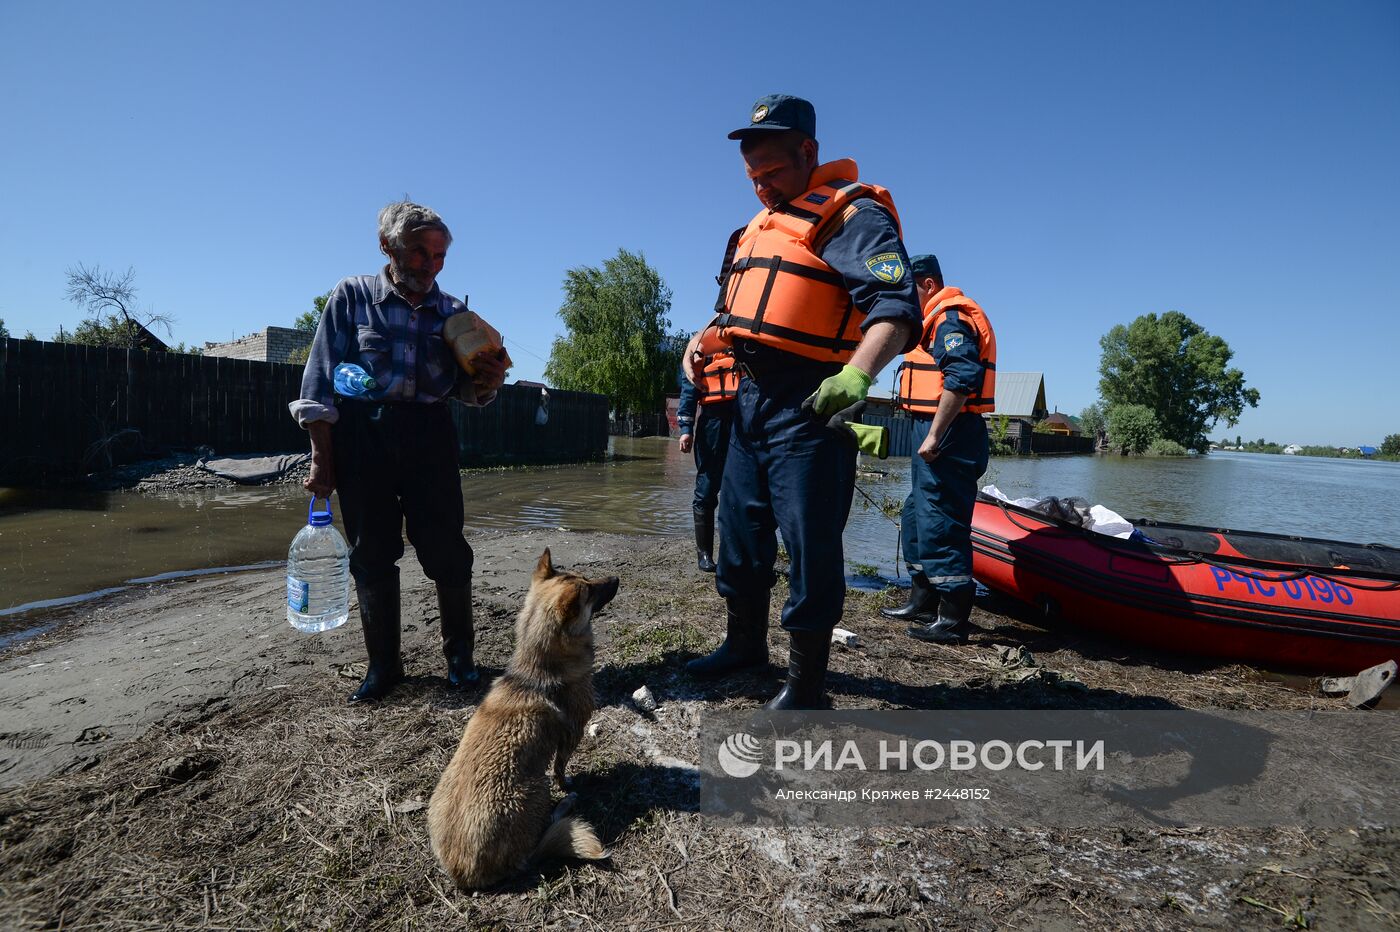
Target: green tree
point(307, 322)
point(1132, 428)
point(1000, 427)
point(1390, 446)
point(1092, 420)
point(110, 300)
point(1172, 366)
point(310, 320)
point(616, 340)
point(4, 331)
point(109, 330)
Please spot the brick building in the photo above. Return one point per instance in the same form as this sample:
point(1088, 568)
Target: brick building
point(272, 344)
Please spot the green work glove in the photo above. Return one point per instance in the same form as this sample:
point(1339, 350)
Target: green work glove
point(871, 439)
point(868, 438)
point(842, 390)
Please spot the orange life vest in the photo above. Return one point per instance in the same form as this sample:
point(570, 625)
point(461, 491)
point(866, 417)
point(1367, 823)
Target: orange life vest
point(921, 382)
point(778, 291)
point(719, 375)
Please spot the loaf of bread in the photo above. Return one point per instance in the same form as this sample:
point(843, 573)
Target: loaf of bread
point(470, 336)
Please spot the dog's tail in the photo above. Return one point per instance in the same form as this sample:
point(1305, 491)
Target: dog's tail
point(569, 838)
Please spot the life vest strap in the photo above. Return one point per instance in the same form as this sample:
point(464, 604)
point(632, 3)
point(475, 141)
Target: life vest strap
point(777, 264)
point(835, 344)
point(933, 402)
point(798, 212)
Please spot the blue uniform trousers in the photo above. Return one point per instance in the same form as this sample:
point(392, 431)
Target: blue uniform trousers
point(712, 427)
point(789, 472)
point(936, 525)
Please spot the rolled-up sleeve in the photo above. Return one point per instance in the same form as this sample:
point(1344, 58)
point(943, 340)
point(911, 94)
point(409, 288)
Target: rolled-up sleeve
point(329, 348)
point(866, 243)
point(685, 410)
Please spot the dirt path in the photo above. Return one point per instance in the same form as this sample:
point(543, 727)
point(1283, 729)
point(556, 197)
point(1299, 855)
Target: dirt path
point(180, 758)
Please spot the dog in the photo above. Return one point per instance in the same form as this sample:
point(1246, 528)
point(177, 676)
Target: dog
point(489, 818)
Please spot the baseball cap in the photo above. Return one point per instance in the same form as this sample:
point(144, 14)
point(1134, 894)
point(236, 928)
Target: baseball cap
point(779, 112)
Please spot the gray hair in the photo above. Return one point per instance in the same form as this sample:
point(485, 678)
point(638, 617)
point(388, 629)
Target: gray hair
point(404, 217)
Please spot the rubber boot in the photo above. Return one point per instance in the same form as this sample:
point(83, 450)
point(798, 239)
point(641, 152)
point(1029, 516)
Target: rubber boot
point(807, 659)
point(922, 607)
point(705, 539)
point(458, 635)
point(745, 643)
point(952, 626)
point(379, 617)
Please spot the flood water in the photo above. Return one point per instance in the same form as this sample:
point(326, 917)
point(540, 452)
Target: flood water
point(55, 545)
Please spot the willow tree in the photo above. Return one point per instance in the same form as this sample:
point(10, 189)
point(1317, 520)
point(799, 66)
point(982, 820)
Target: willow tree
point(617, 340)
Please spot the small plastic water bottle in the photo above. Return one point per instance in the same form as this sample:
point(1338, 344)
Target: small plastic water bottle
point(318, 574)
point(351, 381)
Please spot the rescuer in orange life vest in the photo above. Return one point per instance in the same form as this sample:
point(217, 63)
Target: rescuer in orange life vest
point(706, 432)
point(816, 301)
point(947, 383)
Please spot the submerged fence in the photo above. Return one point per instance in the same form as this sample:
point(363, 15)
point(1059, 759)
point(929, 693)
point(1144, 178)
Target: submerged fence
point(1023, 441)
point(67, 409)
point(532, 425)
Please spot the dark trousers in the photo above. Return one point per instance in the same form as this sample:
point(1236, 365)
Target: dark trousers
point(788, 472)
point(396, 466)
point(712, 427)
point(936, 525)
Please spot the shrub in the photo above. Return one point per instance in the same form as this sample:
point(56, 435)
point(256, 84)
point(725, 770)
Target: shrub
point(1165, 447)
point(1132, 428)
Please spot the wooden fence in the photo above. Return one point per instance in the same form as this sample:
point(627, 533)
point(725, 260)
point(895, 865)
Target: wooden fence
point(509, 430)
point(67, 409)
point(1024, 441)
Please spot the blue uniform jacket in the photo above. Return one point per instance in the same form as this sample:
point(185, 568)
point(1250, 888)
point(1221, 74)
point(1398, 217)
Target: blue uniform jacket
point(870, 232)
point(690, 399)
point(954, 348)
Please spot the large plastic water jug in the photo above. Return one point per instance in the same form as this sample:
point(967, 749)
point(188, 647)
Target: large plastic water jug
point(318, 574)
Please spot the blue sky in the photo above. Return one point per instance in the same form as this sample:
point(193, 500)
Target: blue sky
point(1074, 165)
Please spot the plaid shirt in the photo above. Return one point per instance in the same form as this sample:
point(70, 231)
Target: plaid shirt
point(367, 321)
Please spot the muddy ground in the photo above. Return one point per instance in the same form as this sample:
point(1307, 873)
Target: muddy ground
point(178, 757)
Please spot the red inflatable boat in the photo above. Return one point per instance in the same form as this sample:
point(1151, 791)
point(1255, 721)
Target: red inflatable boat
point(1282, 602)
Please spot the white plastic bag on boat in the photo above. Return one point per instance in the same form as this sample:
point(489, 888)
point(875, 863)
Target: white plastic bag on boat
point(998, 494)
point(1101, 520)
point(1104, 521)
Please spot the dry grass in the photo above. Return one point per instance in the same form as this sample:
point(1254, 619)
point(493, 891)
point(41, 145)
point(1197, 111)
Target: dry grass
point(290, 810)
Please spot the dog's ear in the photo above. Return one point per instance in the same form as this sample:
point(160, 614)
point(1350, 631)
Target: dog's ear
point(545, 568)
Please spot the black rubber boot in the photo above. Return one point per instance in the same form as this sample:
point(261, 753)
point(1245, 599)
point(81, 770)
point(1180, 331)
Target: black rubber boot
point(807, 659)
point(458, 635)
point(745, 643)
point(705, 539)
point(922, 607)
point(379, 617)
point(952, 626)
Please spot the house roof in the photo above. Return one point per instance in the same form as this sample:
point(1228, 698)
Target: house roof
point(1058, 418)
point(1020, 394)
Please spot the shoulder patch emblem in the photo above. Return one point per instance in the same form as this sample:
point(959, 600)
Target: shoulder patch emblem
point(815, 198)
point(760, 113)
point(952, 341)
point(887, 267)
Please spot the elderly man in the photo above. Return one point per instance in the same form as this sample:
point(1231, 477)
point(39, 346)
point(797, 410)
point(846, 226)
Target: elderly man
point(816, 302)
point(392, 452)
